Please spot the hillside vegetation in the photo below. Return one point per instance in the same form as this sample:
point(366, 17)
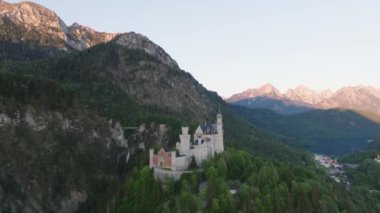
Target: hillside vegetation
point(55, 152)
point(63, 150)
point(237, 182)
point(316, 124)
point(365, 173)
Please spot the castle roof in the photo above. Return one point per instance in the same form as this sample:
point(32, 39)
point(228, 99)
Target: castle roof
point(209, 129)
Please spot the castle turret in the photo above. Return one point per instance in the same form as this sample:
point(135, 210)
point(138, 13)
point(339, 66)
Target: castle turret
point(219, 127)
point(151, 153)
point(173, 161)
point(184, 141)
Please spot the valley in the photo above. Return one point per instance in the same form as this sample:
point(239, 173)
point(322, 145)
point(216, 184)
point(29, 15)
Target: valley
point(338, 147)
point(333, 132)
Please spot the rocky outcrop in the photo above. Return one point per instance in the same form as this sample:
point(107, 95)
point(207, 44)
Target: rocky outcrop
point(137, 41)
point(84, 37)
point(53, 161)
point(307, 95)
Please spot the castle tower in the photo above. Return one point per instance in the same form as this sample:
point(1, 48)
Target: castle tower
point(173, 161)
point(219, 126)
point(184, 141)
point(151, 153)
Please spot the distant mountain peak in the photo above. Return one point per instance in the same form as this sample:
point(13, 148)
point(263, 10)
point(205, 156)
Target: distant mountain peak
point(266, 90)
point(303, 88)
point(31, 23)
point(268, 87)
point(306, 95)
point(360, 97)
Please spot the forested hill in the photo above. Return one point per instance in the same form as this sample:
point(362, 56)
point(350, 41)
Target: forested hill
point(315, 124)
point(364, 171)
point(235, 181)
point(134, 87)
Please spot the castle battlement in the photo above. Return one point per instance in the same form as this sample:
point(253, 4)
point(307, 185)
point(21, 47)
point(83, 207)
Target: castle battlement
point(207, 142)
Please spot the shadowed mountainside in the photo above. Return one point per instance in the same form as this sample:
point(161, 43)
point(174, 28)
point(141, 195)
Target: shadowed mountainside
point(316, 124)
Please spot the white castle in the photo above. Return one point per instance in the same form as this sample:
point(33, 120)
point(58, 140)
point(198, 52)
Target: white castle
point(377, 159)
point(207, 141)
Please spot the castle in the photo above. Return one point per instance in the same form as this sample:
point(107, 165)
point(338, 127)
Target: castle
point(207, 141)
point(377, 159)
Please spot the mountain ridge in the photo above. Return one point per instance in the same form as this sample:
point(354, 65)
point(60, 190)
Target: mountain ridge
point(361, 97)
point(28, 22)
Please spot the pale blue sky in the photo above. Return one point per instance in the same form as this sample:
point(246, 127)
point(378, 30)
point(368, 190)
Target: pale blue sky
point(230, 46)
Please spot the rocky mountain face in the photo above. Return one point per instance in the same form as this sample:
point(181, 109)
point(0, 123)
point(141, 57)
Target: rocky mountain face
point(45, 156)
point(30, 23)
point(266, 90)
point(269, 97)
point(307, 95)
point(148, 78)
point(58, 154)
point(141, 42)
point(361, 98)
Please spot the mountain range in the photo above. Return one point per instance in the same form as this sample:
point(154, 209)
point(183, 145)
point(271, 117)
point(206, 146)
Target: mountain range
point(302, 99)
point(67, 92)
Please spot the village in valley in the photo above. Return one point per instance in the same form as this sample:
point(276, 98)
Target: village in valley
point(335, 169)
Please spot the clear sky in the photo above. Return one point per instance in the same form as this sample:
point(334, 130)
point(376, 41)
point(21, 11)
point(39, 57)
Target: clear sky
point(230, 46)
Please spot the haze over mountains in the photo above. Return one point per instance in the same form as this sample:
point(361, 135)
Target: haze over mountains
point(302, 98)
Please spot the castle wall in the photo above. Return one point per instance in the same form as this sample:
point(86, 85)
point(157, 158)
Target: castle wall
point(181, 163)
point(162, 159)
point(164, 175)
